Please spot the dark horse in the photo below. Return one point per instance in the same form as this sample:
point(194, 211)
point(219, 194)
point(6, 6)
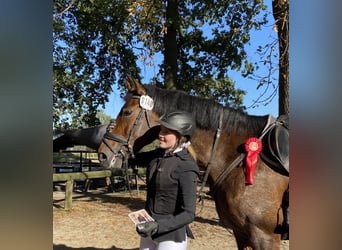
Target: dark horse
point(90, 137)
point(253, 212)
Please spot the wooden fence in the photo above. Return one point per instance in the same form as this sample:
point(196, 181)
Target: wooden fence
point(69, 179)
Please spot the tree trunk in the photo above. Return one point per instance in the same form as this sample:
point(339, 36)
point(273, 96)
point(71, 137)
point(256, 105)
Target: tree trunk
point(170, 45)
point(281, 17)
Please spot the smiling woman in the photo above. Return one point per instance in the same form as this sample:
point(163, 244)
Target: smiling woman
point(171, 184)
point(167, 138)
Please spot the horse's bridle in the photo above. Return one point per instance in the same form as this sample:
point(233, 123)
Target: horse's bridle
point(126, 141)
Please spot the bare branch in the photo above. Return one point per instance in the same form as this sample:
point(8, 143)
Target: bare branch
point(67, 8)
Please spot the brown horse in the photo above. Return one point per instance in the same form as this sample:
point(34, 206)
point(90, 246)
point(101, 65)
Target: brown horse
point(253, 212)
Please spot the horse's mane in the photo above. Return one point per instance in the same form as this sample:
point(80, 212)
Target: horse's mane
point(205, 111)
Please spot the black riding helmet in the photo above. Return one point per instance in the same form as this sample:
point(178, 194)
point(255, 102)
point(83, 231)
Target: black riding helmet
point(180, 121)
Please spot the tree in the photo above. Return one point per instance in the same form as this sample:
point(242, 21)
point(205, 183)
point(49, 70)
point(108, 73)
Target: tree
point(97, 42)
point(281, 16)
point(103, 118)
point(91, 52)
point(199, 64)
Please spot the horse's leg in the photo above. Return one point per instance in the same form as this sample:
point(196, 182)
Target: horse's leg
point(258, 240)
point(250, 236)
point(286, 214)
point(241, 241)
point(261, 240)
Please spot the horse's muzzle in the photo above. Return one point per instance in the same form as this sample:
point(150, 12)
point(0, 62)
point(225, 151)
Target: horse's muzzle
point(111, 158)
point(107, 161)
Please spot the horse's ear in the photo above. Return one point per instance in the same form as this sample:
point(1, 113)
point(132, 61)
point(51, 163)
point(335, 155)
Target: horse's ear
point(134, 86)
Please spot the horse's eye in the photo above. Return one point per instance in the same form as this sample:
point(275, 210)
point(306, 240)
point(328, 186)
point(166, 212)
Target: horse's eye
point(127, 112)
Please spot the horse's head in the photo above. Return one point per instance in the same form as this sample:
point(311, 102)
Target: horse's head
point(135, 119)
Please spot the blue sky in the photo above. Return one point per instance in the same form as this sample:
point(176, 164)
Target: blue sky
point(261, 37)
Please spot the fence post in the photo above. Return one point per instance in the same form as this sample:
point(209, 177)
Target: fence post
point(68, 194)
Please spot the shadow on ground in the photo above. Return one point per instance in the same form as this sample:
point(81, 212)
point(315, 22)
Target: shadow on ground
point(64, 247)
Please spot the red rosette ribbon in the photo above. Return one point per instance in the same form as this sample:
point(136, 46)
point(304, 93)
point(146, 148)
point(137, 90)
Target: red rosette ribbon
point(253, 147)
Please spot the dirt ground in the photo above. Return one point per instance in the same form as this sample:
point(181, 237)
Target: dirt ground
point(99, 219)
